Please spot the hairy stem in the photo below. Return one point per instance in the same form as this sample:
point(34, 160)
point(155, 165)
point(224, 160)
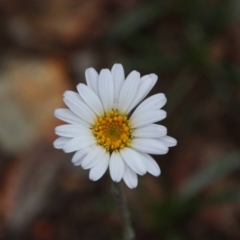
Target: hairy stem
point(118, 191)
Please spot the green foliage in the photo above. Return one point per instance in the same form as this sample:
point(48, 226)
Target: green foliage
point(207, 176)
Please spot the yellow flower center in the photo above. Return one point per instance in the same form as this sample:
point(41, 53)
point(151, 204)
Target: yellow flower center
point(112, 130)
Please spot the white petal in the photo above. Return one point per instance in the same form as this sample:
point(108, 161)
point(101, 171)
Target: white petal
point(60, 142)
point(68, 116)
point(118, 79)
point(154, 78)
point(150, 131)
point(73, 95)
point(133, 160)
point(88, 149)
point(93, 157)
point(78, 157)
point(98, 170)
point(116, 166)
point(128, 91)
point(152, 103)
point(106, 89)
point(145, 118)
point(80, 109)
point(168, 141)
point(92, 79)
point(90, 98)
point(143, 89)
point(72, 98)
point(72, 130)
point(151, 165)
point(130, 177)
point(151, 146)
point(78, 143)
point(153, 82)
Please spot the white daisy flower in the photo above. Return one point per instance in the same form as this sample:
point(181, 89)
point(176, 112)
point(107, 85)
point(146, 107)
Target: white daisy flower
point(105, 132)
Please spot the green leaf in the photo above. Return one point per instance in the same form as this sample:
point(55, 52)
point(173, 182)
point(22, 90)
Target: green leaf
point(226, 197)
point(208, 175)
point(141, 17)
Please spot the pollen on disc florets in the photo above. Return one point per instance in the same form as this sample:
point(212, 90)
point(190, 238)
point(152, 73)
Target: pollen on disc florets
point(113, 130)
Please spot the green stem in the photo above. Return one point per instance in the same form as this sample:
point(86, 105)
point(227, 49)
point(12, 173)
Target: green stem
point(118, 190)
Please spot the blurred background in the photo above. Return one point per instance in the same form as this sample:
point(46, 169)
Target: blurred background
point(194, 48)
